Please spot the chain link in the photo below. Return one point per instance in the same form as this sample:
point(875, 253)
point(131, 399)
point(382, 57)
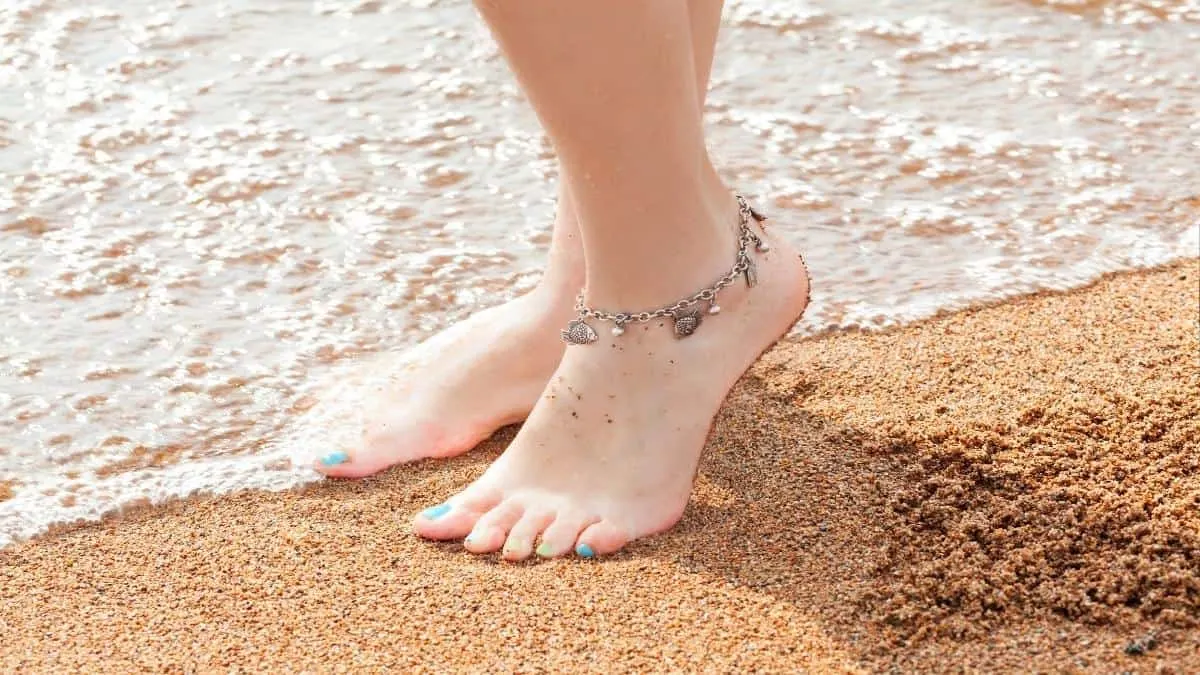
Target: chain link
point(746, 236)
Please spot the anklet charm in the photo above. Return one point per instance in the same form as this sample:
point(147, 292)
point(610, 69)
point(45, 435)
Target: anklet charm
point(685, 315)
point(751, 274)
point(686, 322)
point(578, 332)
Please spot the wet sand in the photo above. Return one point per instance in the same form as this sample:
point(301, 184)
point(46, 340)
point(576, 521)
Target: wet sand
point(1009, 488)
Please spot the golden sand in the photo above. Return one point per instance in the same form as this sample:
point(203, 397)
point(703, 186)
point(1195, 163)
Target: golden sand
point(1009, 488)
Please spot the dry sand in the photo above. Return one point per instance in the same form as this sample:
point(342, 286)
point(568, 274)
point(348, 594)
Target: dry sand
point(1010, 488)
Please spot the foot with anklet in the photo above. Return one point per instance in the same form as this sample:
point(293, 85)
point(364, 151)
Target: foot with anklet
point(488, 371)
point(609, 453)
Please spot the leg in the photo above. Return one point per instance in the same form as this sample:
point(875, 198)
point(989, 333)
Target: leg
point(458, 388)
point(705, 23)
point(609, 452)
point(705, 19)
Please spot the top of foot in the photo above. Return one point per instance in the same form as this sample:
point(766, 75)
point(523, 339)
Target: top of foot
point(452, 391)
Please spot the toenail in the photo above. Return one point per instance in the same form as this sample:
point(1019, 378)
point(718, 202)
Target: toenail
point(334, 458)
point(435, 512)
point(544, 550)
point(585, 551)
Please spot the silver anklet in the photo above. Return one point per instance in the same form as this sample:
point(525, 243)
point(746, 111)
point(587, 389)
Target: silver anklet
point(684, 314)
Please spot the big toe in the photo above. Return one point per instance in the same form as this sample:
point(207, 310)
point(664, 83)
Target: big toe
point(385, 446)
point(344, 464)
point(452, 519)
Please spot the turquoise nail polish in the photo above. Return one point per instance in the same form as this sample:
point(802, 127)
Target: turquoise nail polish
point(334, 458)
point(585, 551)
point(435, 512)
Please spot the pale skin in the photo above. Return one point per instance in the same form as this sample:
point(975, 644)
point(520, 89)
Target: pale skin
point(613, 430)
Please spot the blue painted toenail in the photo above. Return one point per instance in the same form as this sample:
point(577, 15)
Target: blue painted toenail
point(334, 458)
point(435, 512)
point(585, 551)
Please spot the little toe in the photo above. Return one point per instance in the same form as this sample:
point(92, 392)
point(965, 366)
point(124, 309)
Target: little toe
point(454, 518)
point(519, 544)
point(601, 539)
point(491, 531)
point(559, 538)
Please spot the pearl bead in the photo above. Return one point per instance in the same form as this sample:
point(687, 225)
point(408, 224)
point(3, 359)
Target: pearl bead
point(617, 330)
point(715, 309)
point(764, 246)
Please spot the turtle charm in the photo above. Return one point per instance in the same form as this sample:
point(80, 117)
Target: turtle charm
point(578, 332)
point(686, 322)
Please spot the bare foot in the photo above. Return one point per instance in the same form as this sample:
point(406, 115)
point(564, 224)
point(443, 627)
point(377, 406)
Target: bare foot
point(456, 388)
point(610, 451)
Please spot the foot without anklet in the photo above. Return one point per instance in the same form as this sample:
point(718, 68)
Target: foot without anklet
point(685, 315)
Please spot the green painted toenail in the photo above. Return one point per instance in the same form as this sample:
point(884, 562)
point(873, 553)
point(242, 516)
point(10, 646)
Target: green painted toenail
point(334, 458)
point(585, 551)
point(544, 550)
point(435, 512)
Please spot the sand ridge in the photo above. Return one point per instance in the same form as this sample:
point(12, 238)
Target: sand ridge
point(1048, 460)
point(1004, 489)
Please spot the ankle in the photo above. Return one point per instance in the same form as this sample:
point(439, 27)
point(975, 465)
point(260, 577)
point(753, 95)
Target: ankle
point(645, 275)
point(553, 300)
point(715, 189)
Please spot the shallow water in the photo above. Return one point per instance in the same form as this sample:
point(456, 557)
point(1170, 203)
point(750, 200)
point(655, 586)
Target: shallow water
point(207, 209)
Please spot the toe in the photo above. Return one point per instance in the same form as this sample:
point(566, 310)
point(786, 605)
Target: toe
point(454, 518)
point(341, 464)
point(600, 539)
point(382, 448)
point(559, 538)
point(354, 463)
point(485, 538)
point(519, 544)
point(491, 531)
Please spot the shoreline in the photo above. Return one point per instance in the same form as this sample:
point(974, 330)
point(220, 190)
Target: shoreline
point(1006, 487)
point(166, 467)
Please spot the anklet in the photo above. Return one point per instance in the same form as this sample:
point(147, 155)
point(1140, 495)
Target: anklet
point(684, 314)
